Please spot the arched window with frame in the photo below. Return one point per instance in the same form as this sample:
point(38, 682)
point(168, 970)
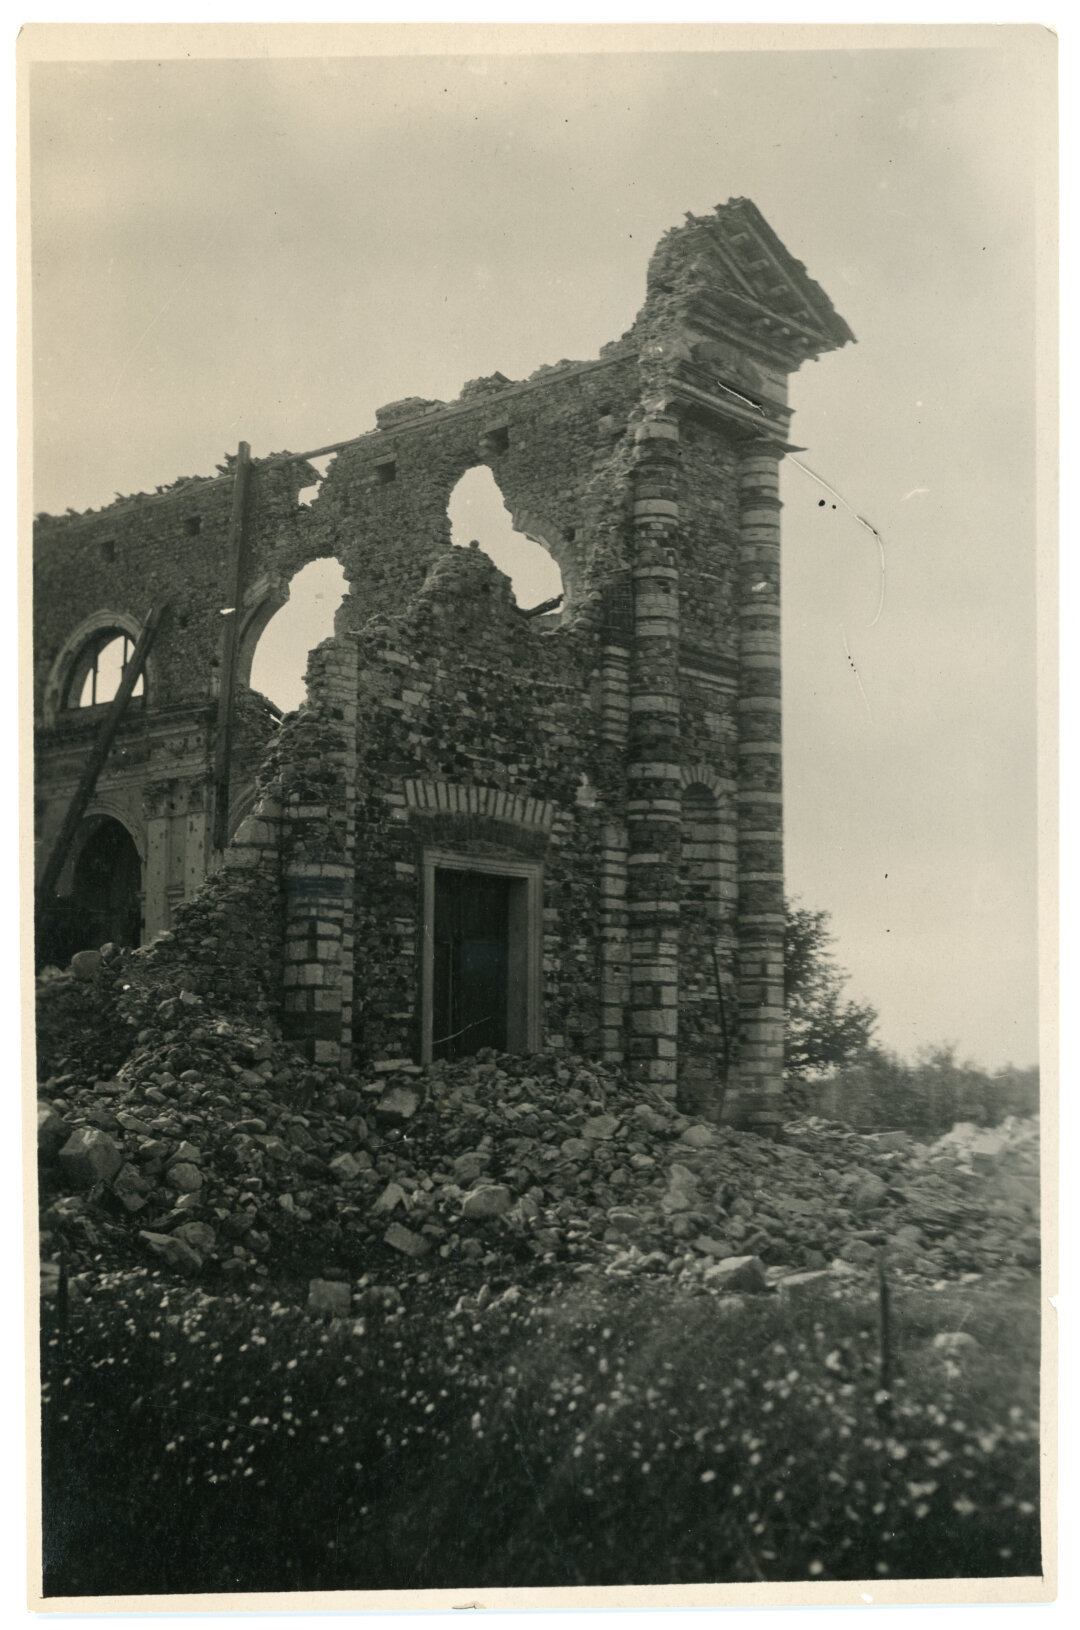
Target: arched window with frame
point(99, 668)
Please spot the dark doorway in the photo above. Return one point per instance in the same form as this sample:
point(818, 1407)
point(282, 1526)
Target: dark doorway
point(106, 885)
point(104, 903)
point(472, 940)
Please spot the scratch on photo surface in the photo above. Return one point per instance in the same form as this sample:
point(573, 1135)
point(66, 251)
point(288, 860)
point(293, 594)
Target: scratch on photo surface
point(806, 470)
point(855, 671)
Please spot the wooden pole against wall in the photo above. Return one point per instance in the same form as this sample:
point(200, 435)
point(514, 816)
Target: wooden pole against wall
point(227, 691)
point(100, 752)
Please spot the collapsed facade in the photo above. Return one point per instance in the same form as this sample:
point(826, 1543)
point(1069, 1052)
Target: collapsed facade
point(548, 830)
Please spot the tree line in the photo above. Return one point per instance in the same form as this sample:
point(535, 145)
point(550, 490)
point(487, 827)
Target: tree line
point(834, 1067)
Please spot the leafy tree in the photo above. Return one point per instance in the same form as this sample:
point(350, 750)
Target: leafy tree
point(823, 1031)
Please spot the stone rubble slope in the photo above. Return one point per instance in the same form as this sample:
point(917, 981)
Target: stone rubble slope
point(218, 1153)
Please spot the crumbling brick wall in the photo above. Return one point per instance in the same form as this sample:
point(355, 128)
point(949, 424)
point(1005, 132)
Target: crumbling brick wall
point(621, 759)
point(171, 545)
point(461, 696)
point(105, 569)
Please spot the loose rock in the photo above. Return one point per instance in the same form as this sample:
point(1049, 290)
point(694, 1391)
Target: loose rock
point(737, 1273)
point(332, 1297)
point(402, 1239)
point(492, 1201)
point(90, 1156)
point(398, 1103)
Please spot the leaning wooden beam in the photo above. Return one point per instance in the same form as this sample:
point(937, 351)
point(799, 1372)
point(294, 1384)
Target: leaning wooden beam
point(544, 607)
point(100, 752)
point(227, 691)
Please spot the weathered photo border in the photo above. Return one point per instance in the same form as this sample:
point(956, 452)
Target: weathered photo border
point(42, 43)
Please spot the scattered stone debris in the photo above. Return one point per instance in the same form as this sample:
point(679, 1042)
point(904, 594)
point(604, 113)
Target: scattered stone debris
point(219, 1153)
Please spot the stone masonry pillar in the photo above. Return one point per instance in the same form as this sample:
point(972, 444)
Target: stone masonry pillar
point(653, 768)
point(760, 793)
point(614, 918)
point(319, 842)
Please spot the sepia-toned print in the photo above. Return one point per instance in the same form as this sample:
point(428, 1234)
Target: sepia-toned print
point(538, 1026)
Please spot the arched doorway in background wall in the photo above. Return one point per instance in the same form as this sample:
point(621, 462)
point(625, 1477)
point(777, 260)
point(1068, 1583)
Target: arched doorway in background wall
point(104, 901)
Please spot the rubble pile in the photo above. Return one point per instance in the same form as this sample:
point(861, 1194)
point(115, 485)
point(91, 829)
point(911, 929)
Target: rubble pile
point(967, 1202)
point(218, 1152)
point(75, 1014)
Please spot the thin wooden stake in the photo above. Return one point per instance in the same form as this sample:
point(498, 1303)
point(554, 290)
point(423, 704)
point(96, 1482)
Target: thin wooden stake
point(227, 691)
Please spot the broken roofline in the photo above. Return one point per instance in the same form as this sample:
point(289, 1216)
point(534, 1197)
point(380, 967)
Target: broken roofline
point(729, 226)
point(379, 438)
point(618, 352)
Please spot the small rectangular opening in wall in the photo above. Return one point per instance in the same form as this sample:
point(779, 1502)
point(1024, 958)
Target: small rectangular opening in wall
point(497, 439)
point(108, 550)
point(481, 955)
point(193, 525)
point(385, 472)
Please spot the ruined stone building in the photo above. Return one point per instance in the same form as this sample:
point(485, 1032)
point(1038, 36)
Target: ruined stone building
point(486, 827)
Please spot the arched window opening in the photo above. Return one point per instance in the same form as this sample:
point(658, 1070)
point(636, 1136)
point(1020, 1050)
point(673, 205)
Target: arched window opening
point(99, 669)
point(279, 665)
point(477, 510)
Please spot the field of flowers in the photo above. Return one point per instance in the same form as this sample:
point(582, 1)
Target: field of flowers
point(614, 1432)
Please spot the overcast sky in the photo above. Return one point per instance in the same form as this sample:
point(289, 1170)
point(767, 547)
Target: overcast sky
point(268, 250)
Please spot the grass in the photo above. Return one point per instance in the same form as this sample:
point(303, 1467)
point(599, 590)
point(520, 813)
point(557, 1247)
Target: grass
point(618, 1433)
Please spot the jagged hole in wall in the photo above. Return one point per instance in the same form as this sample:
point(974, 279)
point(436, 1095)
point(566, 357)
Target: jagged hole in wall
point(304, 621)
point(476, 510)
point(307, 495)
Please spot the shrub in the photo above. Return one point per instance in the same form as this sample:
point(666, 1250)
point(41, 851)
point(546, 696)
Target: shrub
point(624, 1435)
point(882, 1093)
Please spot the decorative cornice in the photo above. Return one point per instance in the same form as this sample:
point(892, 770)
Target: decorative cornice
point(733, 409)
point(731, 269)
